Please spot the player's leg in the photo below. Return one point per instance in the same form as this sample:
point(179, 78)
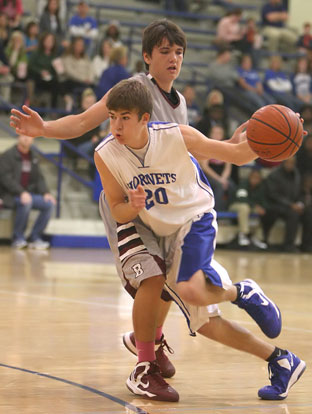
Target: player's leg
point(202, 281)
point(285, 366)
point(143, 276)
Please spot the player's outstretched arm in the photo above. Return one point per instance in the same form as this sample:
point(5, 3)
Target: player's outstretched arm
point(204, 148)
point(122, 210)
point(30, 123)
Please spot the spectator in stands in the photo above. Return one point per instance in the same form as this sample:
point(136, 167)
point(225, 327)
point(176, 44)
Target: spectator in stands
point(219, 174)
point(4, 30)
point(222, 75)
point(118, 60)
point(302, 80)
point(249, 198)
point(6, 78)
point(14, 11)
point(41, 4)
point(193, 112)
point(100, 61)
point(23, 188)
point(278, 84)
point(84, 26)
point(230, 32)
point(112, 33)
point(214, 113)
point(274, 21)
point(16, 56)
point(304, 42)
point(31, 37)
point(250, 82)
point(87, 142)
point(78, 71)
point(138, 67)
point(283, 191)
point(50, 21)
point(304, 157)
point(42, 74)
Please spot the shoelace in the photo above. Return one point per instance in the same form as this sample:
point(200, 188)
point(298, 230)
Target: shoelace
point(155, 372)
point(163, 345)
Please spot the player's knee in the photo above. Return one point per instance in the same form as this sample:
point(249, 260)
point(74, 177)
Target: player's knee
point(188, 293)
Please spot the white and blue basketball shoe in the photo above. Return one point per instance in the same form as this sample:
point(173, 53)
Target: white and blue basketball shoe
point(284, 372)
point(262, 309)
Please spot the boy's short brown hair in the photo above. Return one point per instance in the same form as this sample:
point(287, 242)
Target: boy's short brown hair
point(130, 94)
point(156, 31)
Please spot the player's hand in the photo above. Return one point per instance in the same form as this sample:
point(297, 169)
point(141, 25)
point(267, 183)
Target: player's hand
point(49, 197)
point(29, 123)
point(137, 198)
point(302, 121)
point(239, 134)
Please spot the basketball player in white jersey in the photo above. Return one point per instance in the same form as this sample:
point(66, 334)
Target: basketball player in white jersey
point(147, 172)
point(165, 62)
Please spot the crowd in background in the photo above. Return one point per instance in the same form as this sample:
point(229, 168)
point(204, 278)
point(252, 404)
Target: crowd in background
point(73, 62)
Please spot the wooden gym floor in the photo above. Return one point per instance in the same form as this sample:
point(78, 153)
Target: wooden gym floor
point(63, 313)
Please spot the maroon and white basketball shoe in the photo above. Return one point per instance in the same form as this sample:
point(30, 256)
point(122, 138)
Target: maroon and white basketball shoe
point(167, 370)
point(145, 380)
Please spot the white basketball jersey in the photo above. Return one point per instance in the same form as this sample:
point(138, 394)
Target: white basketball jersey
point(175, 186)
point(163, 109)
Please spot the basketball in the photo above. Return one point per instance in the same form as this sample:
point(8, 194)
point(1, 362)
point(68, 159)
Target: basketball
point(274, 132)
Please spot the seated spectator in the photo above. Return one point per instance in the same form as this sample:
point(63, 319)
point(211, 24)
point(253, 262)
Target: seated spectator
point(118, 60)
point(138, 67)
point(219, 175)
point(112, 33)
point(41, 4)
point(274, 22)
point(249, 198)
point(6, 78)
point(100, 61)
point(250, 82)
point(302, 80)
point(31, 37)
point(78, 71)
point(4, 30)
point(193, 113)
point(42, 74)
point(278, 84)
point(304, 42)
point(23, 188)
point(283, 192)
point(223, 75)
point(84, 26)
point(304, 157)
point(230, 32)
point(50, 21)
point(14, 11)
point(214, 113)
point(16, 56)
point(86, 143)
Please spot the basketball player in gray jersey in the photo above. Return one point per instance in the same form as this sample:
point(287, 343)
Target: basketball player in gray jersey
point(163, 48)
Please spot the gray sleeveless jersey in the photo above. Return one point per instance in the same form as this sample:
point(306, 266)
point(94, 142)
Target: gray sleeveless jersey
point(163, 109)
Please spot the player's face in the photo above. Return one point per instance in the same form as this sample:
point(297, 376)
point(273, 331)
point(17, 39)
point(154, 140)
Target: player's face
point(165, 63)
point(128, 129)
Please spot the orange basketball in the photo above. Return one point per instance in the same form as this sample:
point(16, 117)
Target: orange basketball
point(274, 132)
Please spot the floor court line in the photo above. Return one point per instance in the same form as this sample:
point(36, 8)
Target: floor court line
point(83, 387)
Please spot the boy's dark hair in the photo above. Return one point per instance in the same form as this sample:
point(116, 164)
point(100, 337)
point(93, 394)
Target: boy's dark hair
point(130, 94)
point(156, 31)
